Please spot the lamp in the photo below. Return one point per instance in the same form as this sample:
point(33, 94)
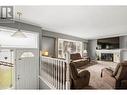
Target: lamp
point(84, 53)
point(19, 33)
point(46, 53)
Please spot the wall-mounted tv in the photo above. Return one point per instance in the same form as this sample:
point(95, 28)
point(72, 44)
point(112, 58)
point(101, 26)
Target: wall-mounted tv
point(108, 43)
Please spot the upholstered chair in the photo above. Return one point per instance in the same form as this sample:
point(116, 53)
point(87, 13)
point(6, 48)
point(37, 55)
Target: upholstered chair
point(118, 78)
point(79, 80)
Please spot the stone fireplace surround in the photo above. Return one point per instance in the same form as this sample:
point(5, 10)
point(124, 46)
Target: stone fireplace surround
point(108, 55)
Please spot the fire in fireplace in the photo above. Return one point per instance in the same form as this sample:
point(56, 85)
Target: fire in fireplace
point(107, 56)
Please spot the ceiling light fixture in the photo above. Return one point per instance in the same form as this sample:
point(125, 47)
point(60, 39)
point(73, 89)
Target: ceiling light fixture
point(19, 33)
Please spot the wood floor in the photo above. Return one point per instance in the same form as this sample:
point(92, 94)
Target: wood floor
point(95, 68)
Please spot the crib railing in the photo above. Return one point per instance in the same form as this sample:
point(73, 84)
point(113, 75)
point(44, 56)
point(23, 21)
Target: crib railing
point(55, 72)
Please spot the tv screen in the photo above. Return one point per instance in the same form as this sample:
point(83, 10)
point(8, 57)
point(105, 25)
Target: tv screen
point(108, 43)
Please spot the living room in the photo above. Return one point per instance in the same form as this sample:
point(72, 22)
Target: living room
point(100, 54)
point(106, 48)
point(84, 49)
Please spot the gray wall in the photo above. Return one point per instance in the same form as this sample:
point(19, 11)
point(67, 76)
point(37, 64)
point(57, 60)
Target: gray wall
point(123, 42)
point(59, 35)
point(24, 26)
point(92, 44)
point(63, 36)
point(48, 44)
point(123, 45)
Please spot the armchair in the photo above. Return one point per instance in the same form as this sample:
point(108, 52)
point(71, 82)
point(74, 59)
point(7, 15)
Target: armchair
point(79, 80)
point(116, 79)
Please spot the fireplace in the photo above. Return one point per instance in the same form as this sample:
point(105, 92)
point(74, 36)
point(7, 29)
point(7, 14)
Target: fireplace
point(107, 57)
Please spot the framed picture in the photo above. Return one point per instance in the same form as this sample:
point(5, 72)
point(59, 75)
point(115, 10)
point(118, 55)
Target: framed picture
point(64, 45)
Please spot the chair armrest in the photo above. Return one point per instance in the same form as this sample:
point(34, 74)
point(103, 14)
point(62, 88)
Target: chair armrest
point(106, 71)
point(84, 73)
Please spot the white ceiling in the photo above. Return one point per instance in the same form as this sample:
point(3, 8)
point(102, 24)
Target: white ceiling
point(88, 22)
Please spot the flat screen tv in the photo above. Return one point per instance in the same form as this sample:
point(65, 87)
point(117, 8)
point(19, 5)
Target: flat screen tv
point(108, 43)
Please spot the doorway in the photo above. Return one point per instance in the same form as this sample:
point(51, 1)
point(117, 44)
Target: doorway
point(27, 69)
